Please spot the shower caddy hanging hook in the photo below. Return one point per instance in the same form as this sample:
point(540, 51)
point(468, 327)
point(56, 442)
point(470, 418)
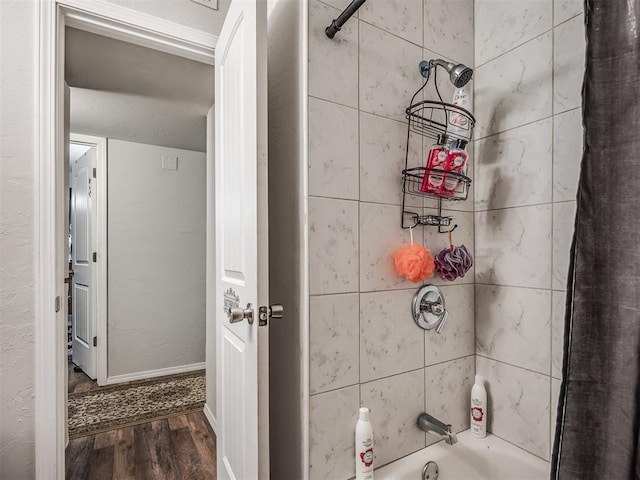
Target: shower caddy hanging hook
point(430, 119)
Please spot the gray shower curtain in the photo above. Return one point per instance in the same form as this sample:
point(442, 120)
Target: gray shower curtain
point(597, 431)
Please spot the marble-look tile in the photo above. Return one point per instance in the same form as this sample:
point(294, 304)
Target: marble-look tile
point(448, 386)
point(514, 89)
point(333, 246)
point(563, 10)
point(502, 25)
point(333, 63)
point(390, 341)
point(558, 309)
point(448, 29)
point(332, 420)
point(333, 150)
point(568, 64)
point(389, 72)
point(514, 246)
point(395, 403)
point(463, 235)
point(563, 225)
point(400, 17)
point(567, 154)
point(513, 325)
point(555, 397)
point(383, 146)
point(380, 236)
point(457, 337)
point(518, 405)
point(333, 341)
point(513, 168)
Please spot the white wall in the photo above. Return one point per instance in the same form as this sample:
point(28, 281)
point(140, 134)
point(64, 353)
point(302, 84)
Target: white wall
point(156, 258)
point(17, 281)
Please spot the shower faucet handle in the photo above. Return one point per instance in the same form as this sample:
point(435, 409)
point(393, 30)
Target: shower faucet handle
point(429, 309)
point(442, 322)
point(437, 308)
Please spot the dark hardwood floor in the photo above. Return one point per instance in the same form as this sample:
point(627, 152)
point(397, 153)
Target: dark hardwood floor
point(78, 381)
point(182, 447)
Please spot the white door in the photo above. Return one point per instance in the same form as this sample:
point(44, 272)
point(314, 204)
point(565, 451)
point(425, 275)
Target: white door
point(83, 224)
point(241, 242)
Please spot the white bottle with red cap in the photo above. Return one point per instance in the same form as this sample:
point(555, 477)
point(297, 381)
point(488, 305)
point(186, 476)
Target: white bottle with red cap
point(479, 408)
point(364, 446)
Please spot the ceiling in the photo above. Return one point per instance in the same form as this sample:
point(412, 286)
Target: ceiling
point(133, 93)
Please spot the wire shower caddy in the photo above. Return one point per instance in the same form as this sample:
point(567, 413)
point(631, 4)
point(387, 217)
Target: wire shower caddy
point(430, 119)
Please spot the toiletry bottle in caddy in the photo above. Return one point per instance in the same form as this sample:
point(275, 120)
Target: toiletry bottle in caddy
point(456, 162)
point(459, 126)
point(479, 408)
point(364, 446)
point(460, 131)
point(432, 182)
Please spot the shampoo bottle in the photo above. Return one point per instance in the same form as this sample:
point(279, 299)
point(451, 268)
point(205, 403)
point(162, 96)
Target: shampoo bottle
point(479, 408)
point(364, 446)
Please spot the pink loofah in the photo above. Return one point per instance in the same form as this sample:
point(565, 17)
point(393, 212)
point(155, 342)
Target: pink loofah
point(414, 262)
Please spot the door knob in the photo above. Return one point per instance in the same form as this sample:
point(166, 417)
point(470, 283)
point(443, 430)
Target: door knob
point(238, 314)
point(274, 311)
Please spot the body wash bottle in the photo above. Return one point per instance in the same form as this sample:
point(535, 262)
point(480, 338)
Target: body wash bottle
point(479, 408)
point(364, 446)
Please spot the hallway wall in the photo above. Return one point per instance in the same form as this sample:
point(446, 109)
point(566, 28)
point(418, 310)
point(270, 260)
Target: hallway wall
point(156, 259)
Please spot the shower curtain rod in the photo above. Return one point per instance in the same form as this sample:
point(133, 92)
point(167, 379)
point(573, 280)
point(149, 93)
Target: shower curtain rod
point(336, 24)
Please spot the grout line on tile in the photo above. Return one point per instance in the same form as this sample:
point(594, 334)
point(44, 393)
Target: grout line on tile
point(515, 48)
point(553, 76)
point(501, 285)
point(544, 204)
point(514, 366)
point(359, 218)
point(494, 134)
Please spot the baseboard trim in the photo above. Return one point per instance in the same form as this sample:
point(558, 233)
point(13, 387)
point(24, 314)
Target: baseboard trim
point(211, 418)
point(161, 372)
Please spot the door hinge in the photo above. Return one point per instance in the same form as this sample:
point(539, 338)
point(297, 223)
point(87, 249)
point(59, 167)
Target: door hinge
point(95, 341)
point(57, 304)
point(95, 257)
point(94, 172)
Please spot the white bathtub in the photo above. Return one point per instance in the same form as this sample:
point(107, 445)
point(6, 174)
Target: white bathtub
point(490, 458)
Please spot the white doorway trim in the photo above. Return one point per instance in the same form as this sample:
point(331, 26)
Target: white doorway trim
point(100, 144)
point(110, 20)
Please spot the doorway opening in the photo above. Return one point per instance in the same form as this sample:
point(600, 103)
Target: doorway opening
point(50, 330)
point(137, 218)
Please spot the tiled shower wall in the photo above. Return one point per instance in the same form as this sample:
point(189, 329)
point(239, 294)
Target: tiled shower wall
point(365, 348)
point(529, 66)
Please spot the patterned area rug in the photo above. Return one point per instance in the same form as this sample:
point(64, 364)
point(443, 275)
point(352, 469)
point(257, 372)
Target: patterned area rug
point(136, 402)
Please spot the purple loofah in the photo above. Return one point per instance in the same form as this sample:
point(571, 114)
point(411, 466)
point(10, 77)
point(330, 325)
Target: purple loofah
point(454, 262)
